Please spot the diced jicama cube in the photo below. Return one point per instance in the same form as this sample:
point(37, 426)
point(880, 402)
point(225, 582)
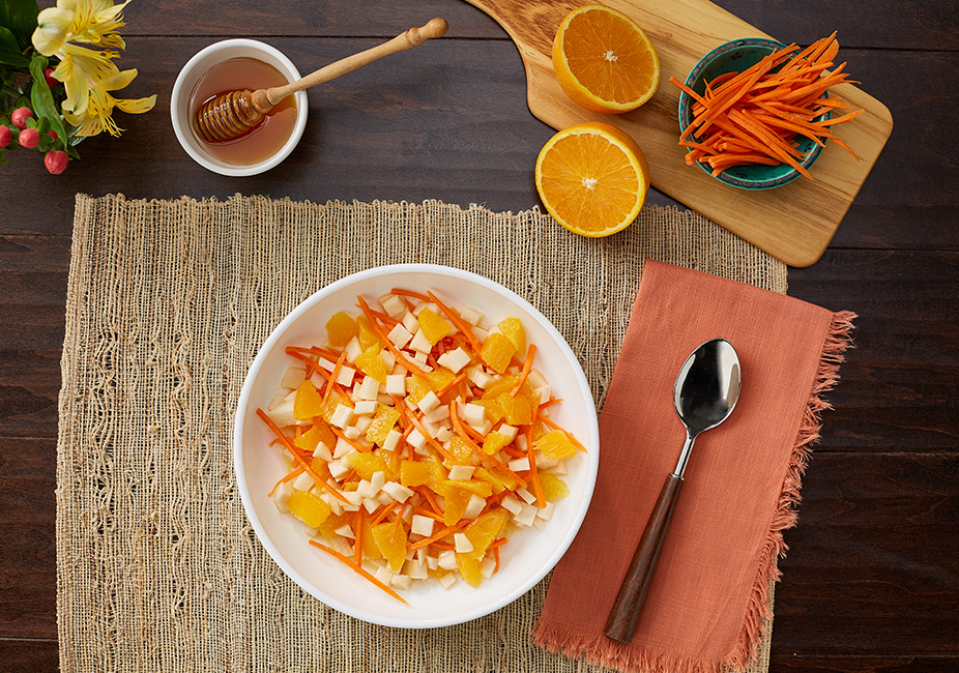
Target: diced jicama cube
point(507, 431)
point(428, 402)
point(282, 414)
point(293, 377)
point(352, 432)
point(519, 464)
point(399, 336)
point(342, 416)
point(365, 408)
point(363, 488)
point(393, 305)
point(336, 505)
point(539, 524)
point(431, 562)
point(416, 439)
point(438, 414)
point(512, 504)
point(447, 580)
point(304, 482)
point(474, 507)
point(559, 469)
point(282, 496)
point(341, 546)
point(480, 333)
point(397, 491)
point(402, 581)
point(546, 513)
point(444, 434)
point(488, 568)
point(410, 323)
point(277, 399)
point(525, 495)
point(543, 393)
point(338, 468)
point(430, 427)
point(396, 384)
point(473, 414)
point(389, 360)
point(369, 389)
point(322, 451)
point(447, 560)
point(377, 481)
point(342, 448)
point(536, 379)
point(422, 525)
point(363, 424)
point(371, 505)
point(416, 570)
point(461, 472)
point(542, 462)
point(454, 360)
point(392, 440)
point(471, 316)
point(353, 350)
point(424, 304)
point(479, 378)
point(345, 531)
point(526, 516)
point(420, 358)
point(462, 543)
point(384, 575)
point(420, 343)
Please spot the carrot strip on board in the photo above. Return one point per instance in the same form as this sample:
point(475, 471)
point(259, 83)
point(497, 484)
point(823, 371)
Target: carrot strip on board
point(296, 456)
point(766, 108)
point(358, 570)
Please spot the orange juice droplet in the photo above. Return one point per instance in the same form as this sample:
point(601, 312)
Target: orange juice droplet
point(270, 134)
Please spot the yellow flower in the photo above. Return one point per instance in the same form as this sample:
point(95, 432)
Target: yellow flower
point(97, 116)
point(82, 34)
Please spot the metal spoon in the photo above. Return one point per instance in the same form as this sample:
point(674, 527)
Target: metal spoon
point(705, 393)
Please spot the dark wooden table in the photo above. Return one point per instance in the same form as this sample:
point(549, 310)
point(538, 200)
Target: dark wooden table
point(871, 582)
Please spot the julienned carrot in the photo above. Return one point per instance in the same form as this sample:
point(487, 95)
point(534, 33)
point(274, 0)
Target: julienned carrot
point(531, 457)
point(402, 359)
point(358, 570)
point(287, 477)
point(482, 455)
point(757, 116)
point(459, 323)
point(333, 376)
point(409, 293)
point(296, 456)
point(524, 373)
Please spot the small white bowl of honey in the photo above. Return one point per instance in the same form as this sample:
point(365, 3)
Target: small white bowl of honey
point(233, 65)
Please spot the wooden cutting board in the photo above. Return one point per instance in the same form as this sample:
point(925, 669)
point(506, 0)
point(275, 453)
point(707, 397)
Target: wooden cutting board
point(794, 222)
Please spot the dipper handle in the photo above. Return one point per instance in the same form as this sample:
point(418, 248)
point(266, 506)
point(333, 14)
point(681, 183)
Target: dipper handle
point(413, 37)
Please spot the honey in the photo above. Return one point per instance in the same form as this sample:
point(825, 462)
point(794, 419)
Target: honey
point(267, 137)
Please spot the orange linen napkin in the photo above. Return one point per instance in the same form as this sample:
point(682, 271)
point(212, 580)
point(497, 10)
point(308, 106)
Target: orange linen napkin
point(703, 609)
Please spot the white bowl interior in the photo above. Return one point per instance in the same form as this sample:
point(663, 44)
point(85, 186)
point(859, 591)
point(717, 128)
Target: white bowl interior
point(191, 73)
point(528, 556)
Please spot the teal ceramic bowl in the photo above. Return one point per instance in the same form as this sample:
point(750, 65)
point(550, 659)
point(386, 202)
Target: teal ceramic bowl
point(736, 56)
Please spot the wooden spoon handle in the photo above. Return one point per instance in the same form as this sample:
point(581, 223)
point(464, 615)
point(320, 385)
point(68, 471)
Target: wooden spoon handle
point(621, 623)
point(406, 40)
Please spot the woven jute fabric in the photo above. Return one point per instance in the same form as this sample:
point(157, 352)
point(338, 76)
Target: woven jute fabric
point(158, 569)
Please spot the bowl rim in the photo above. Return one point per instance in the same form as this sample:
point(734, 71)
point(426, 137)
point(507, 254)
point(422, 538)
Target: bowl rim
point(684, 116)
point(184, 134)
point(278, 332)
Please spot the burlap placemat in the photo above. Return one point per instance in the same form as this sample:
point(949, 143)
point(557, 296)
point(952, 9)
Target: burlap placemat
point(158, 569)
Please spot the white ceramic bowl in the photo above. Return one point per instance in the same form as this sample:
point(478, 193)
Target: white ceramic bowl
point(181, 116)
point(530, 553)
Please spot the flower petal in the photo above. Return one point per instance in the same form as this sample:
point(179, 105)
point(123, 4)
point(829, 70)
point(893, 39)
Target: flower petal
point(136, 105)
point(53, 25)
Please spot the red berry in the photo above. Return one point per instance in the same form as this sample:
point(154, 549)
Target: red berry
point(53, 134)
point(5, 135)
point(20, 116)
point(56, 161)
point(29, 138)
point(48, 75)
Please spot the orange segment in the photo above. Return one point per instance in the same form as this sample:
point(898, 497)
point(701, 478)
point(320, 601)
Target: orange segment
point(592, 178)
point(434, 327)
point(307, 402)
point(340, 328)
point(497, 352)
point(484, 530)
point(391, 542)
point(309, 508)
point(604, 61)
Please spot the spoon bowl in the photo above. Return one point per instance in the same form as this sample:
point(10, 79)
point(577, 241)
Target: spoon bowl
point(706, 391)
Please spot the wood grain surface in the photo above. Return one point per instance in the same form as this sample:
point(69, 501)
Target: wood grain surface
point(794, 222)
point(871, 579)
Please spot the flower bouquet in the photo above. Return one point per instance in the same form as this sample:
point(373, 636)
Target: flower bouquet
point(57, 71)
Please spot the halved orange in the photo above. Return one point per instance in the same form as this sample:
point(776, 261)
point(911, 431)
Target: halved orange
point(592, 178)
point(604, 61)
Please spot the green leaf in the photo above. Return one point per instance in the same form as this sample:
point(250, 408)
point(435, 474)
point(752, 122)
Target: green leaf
point(10, 53)
point(20, 17)
point(42, 98)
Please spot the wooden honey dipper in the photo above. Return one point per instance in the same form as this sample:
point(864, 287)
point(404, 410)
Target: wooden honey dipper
point(230, 115)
